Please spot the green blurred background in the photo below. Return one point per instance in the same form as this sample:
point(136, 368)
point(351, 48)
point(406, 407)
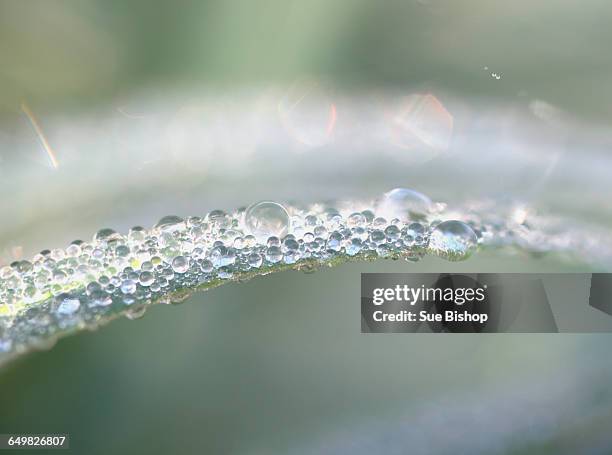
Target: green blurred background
point(63, 52)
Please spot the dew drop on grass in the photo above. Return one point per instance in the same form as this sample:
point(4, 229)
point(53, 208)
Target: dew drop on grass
point(453, 240)
point(403, 203)
point(266, 219)
point(128, 287)
point(146, 278)
point(180, 264)
point(273, 254)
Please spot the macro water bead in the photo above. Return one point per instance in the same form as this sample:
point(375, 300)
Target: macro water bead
point(453, 240)
point(266, 219)
point(404, 203)
point(180, 264)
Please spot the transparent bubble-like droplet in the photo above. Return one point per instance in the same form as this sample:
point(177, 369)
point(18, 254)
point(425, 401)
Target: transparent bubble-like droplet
point(404, 203)
point(99, 298)
point(421, 120)
point(266, 219)
point(146, 278)
point(453, 240)
point(255, 260)
point(137, 234)
point(128, 287)
point(170, 223)
point(180, 264)
point(274, 254)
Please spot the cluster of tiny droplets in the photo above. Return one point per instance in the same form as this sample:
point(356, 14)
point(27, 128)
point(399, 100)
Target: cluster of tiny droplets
point(64, 289)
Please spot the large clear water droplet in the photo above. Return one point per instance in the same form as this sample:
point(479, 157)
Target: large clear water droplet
point(180, 264)
point(266, 219)
point(146, 278)
point(128, 287)
point(453, 240)
point(404, 204)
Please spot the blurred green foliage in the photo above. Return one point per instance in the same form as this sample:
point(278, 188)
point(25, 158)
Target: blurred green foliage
point(80, 51)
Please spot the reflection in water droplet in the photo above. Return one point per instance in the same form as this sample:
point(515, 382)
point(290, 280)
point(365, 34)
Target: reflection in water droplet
point(146, 278)
point(255, 260)
point(180, 264)
point(404, 203)
point(170, 223)
point(274, 254)
point(453, 240)
point(128, 287)
point(99, 298)
point(266, 219)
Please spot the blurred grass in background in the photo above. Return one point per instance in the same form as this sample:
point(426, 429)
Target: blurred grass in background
point(74, 52)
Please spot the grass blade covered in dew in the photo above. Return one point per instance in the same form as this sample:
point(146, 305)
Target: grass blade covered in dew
point(62, 291)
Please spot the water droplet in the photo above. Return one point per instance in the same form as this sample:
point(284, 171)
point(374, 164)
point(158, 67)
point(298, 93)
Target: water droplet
point(274, 254)
point(136, 234)
point(354, 247)
point(404, 203)
point(289, 245)
point(122, 251)
point(146, 278)
point(206, 266)
point(392, 232)
point(219, 218)
point(265, 219)
point(225, 273)
point(356, 219)
point(255, 260)
point(128, 287)
point(99, 298)
point(92, 287)
point(180, 264)
point(453, 240)
point(334, 241)
point(377, 236)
